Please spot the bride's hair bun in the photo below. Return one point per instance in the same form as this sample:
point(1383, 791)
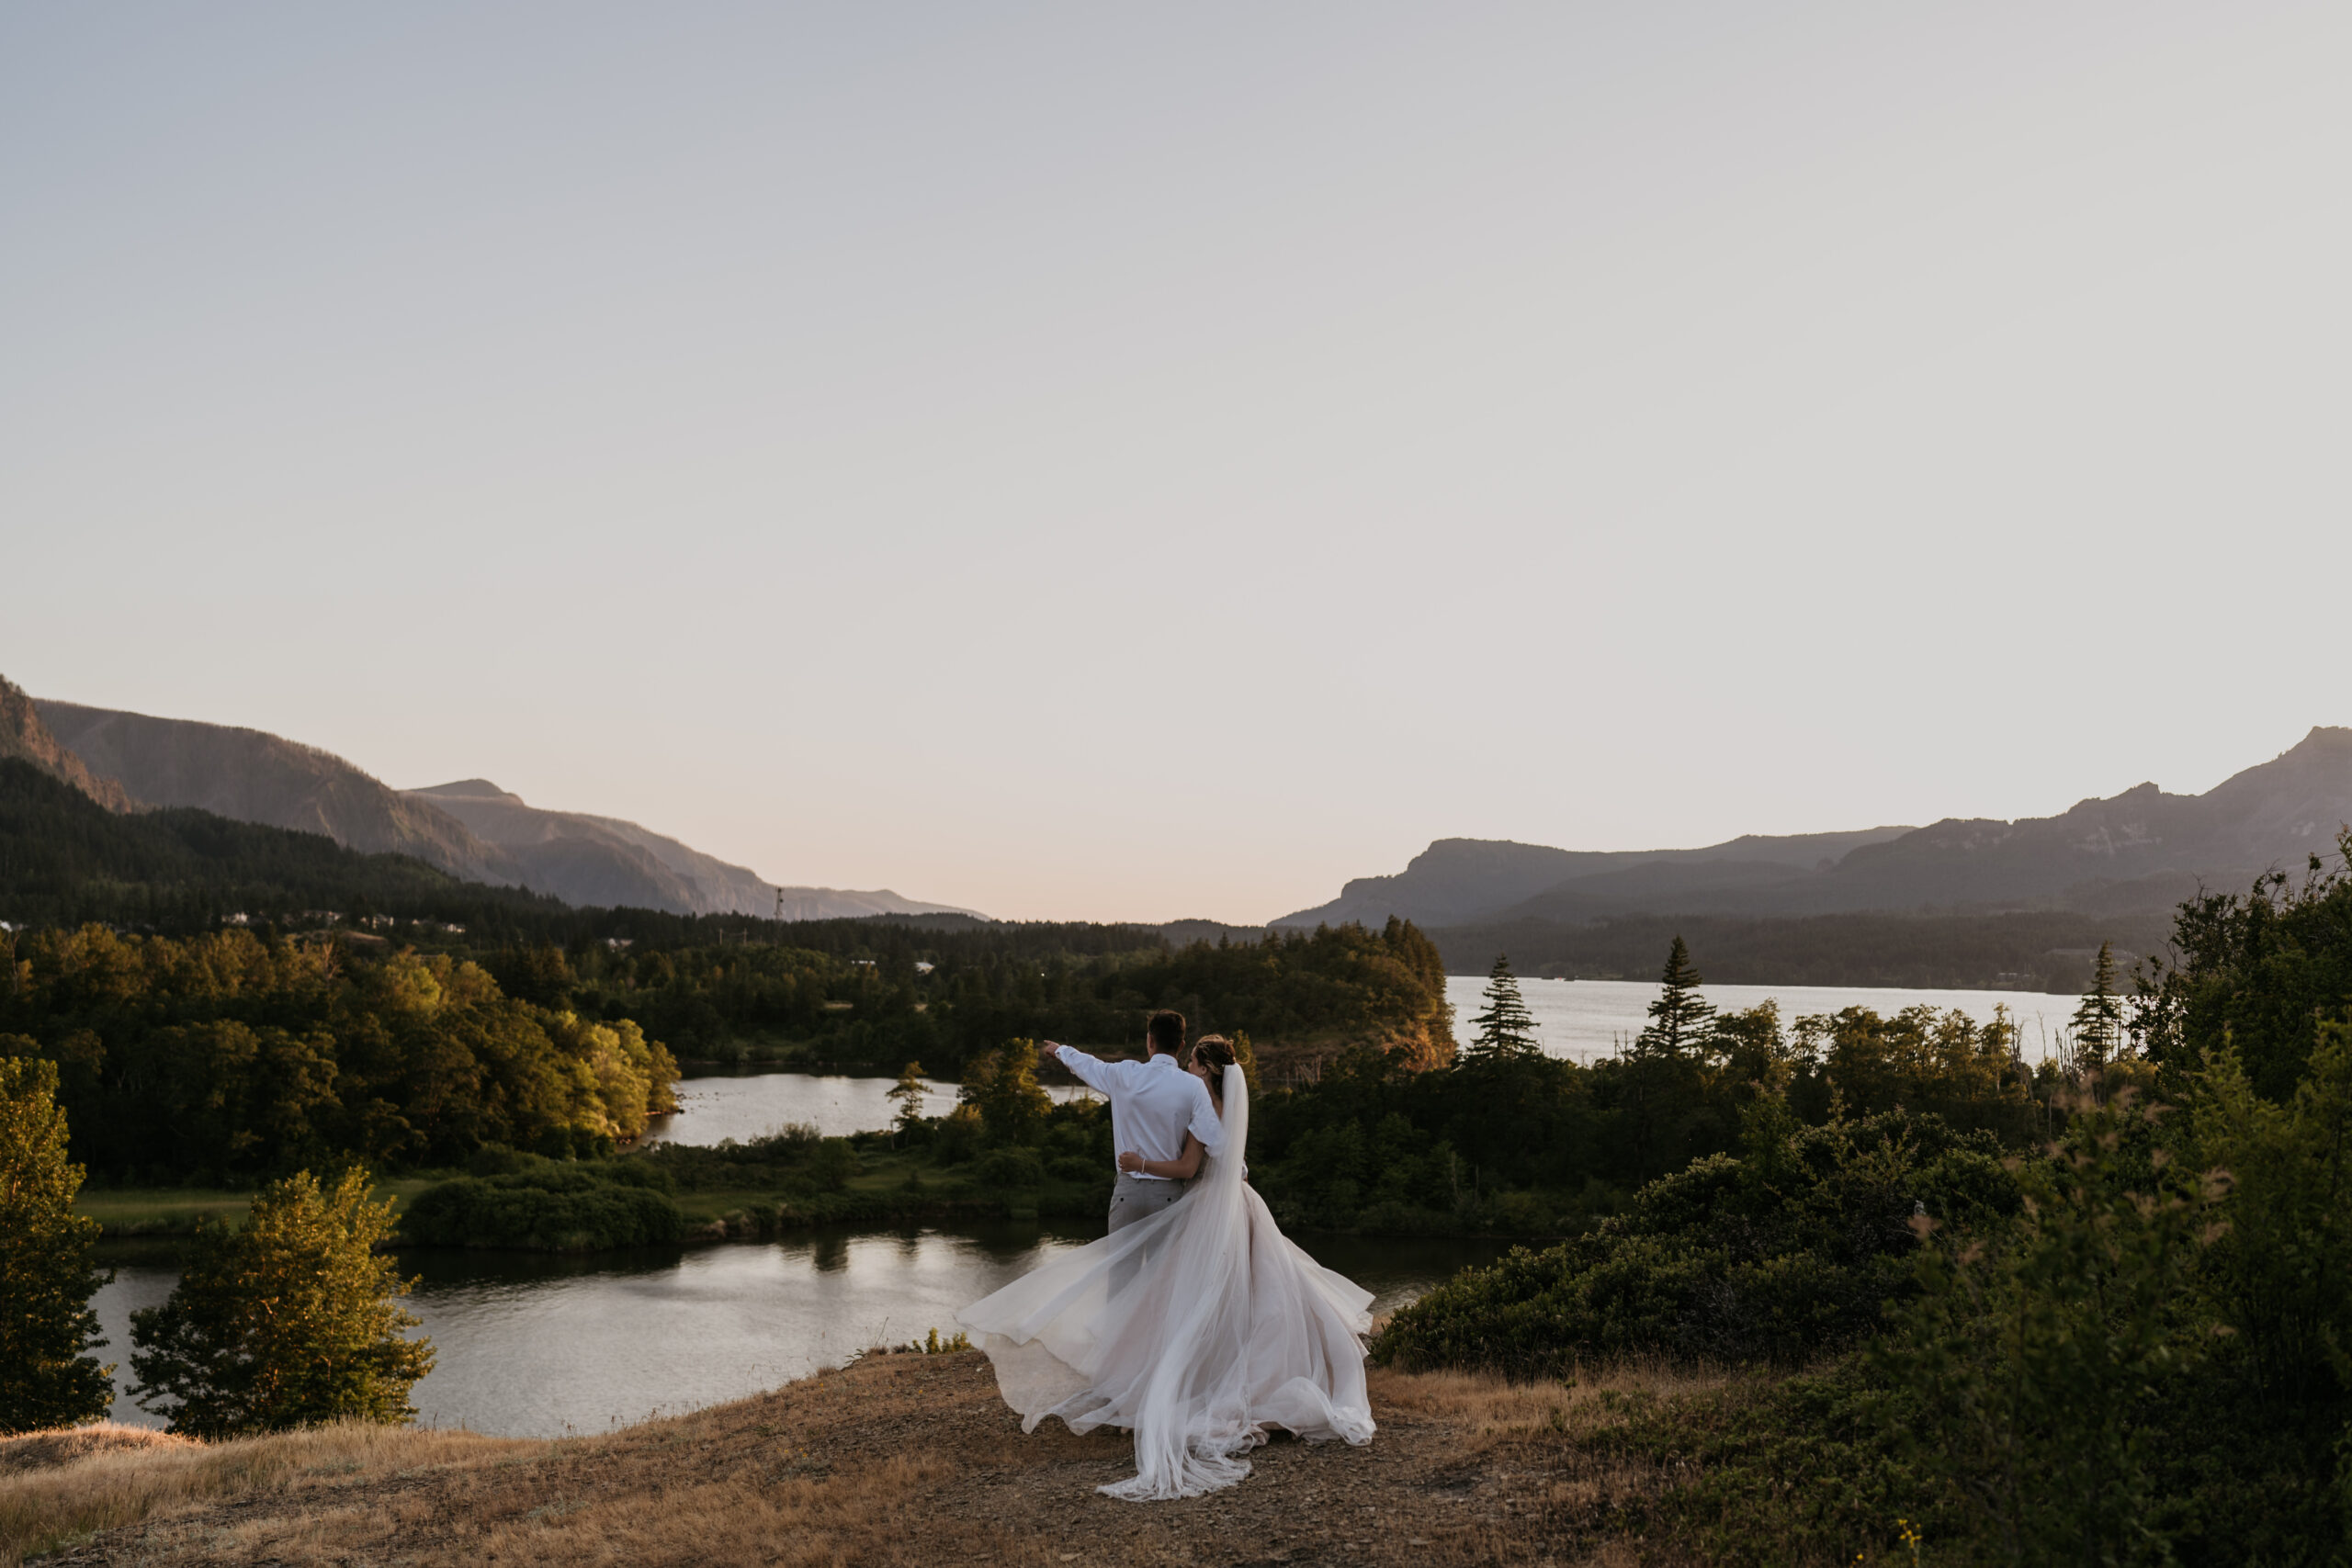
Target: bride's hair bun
point(1214, 1051)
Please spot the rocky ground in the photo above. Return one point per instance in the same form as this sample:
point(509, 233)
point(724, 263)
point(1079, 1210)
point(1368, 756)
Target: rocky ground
point(901, 1458)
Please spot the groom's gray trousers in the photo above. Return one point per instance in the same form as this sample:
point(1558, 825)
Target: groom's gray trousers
point(1139, 1198)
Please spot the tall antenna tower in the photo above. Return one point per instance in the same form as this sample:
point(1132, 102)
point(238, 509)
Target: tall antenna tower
point(779, 904)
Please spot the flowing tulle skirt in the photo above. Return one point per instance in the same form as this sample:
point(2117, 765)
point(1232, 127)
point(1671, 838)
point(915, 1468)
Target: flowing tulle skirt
point(1198, 1329)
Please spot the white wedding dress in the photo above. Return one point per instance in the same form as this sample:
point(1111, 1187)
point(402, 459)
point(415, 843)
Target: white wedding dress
point(1198, 1329)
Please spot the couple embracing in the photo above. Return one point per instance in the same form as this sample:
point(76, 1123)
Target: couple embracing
point(1195, 1323)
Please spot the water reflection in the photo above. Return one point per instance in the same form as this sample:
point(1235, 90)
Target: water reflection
point(536, 1345)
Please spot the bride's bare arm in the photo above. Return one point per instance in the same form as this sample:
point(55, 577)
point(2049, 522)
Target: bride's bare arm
point(1184, 1167)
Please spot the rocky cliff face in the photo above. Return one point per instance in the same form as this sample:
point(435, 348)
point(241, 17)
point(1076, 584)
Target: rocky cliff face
point(23, 735)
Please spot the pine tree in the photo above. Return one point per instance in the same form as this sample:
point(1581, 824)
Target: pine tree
point(906, 1094)
point(2098, 1023)
point(1506, 1029)
point(1001, 1085)
point(1679, 1020)
point(290, 1321)
point(46, 1280)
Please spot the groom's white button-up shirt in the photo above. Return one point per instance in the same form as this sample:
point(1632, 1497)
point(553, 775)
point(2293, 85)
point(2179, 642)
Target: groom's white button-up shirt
point(1153, 1104)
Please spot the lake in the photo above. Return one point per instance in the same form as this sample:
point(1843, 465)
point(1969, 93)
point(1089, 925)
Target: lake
point(717, 1104)
point(1584, 1019)
point(534, 1345)
point(531, 1344)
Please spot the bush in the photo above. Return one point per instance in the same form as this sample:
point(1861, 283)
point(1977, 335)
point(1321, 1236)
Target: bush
point(791, 1142)
point(960, 1135)
point(552, 1208)
point(1780, 1255)
point(1012, 1167)
point(290, 1321)
point(833, 1163)
point(1076, 1169)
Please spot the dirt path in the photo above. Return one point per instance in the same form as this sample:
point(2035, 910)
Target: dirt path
point(912, 1459)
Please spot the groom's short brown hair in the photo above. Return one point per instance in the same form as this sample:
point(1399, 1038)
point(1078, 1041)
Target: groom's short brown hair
point(1166, 1031)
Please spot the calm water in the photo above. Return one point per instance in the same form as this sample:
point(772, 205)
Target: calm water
point(1584, 1018)
point(742, 1105)
point(531, 1345)
point(536, 1346)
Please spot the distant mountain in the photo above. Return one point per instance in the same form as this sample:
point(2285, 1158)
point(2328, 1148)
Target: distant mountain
point(471, 829)
point(606, 861)
point(1457, 880)
point(25, 737)
point(64, 858)
point(2134, 852)
point(248, 775)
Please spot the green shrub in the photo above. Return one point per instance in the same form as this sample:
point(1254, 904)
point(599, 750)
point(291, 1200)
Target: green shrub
point(958, 1137)
point(1780, 1255)
point(290, 1321)
point(2036, 1354)
point(1012, 1167)
point(1083, 1168)
point(551, 1209)
point(833, 1163)
point(793, 1141)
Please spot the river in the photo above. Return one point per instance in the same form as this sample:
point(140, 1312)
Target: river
point(1584, 1019)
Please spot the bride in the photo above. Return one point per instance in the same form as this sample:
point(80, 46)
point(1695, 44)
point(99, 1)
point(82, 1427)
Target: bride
point(1198, 1327)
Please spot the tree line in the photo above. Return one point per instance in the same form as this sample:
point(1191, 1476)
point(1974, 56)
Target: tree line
point(2118, 1339)
point(2047, 950)
point(233, 1057)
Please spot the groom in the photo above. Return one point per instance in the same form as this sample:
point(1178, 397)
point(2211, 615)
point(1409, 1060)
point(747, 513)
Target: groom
point(1154, 1103)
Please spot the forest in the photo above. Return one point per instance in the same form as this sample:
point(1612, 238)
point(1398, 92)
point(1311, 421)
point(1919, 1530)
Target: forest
point(2113, 1333)
point(238, 1055)
point(2047, 950)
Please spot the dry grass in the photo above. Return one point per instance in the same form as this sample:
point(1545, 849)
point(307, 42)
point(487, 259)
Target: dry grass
point(902, 1460)
point(42, 1450)
point(58, 1486)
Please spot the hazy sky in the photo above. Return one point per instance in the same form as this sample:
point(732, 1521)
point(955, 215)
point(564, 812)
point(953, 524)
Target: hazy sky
point(1123, 461)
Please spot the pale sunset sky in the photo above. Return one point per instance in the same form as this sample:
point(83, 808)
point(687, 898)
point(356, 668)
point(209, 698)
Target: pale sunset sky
point(1135, 462)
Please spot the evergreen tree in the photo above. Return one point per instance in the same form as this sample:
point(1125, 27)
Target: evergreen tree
point(1680, 1021)
point(907, 1095)
point(290, 1321)
point(46, 1280)
point(1506, 1029)
point(1002, 1086)
point(2098, 1022)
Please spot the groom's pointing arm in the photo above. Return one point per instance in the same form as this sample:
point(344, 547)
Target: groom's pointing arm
point(1091, 1071)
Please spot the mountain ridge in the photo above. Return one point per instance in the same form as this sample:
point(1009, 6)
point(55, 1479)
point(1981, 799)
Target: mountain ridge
point(703, 883)
point(24, 735)
point(250, 775)
point(2140, 850)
